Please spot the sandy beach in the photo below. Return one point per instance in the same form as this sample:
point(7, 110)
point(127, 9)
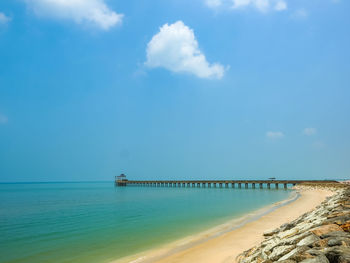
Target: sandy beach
point(227, 246)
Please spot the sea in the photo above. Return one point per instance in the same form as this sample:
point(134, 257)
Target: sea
point(99, 222)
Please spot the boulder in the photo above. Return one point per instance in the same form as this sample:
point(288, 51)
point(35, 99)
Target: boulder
point(271, 232)
point(346, 226)
point(318, 259)
point(288, 233)
point(336, 234)
point(279, 251)
point(338, 254)
point(321, 230)
point(291, 255)
point(309, 240)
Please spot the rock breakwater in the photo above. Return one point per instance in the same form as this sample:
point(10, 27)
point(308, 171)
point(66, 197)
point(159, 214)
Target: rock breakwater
point(320, 236)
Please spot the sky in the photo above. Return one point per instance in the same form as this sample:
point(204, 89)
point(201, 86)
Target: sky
point(175, 89)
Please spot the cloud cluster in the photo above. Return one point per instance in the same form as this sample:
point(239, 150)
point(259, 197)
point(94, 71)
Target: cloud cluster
point(94, 12)
point(175, 48)
point(260, 5)
point(4, 19)
point(274, 135)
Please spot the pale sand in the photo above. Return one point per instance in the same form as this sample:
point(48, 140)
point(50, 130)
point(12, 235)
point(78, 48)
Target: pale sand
point(227, 246)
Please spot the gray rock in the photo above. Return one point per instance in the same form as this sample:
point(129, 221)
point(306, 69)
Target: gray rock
point(287, 226)
point(309, 240)
point(271, 232)
point(318, 259)
point(338, 254)
point(279, 251)
point(292, 253)
point(334, 242)
point(336, 234)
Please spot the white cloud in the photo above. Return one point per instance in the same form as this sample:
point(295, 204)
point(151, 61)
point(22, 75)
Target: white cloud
point(3, 119)
point(261, 5)
point(94, 12)
point(4, 19)
point(280, 5)
point(274, 135)
point(213, 3)
point(175, 48)
point(309, 131)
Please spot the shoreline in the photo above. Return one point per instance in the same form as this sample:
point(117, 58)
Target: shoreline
point(223, 243)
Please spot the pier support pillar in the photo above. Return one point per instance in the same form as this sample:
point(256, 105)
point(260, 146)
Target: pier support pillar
point(253, 185)
point(209, 185)
point(261, 186)
point(220, 185)
point(285, 186)
point(198, 185)
point(233, 185)
point(239, 185)
point(215, 185)
point(188, 184)
point(203, 185)
point(276, 186)
point(246, 185)
point(268, 185)
point(226, 185)
point(193, 184)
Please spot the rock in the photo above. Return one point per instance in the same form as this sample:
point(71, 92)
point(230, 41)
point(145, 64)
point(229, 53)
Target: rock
point(287, 226)
point(334, 242)
point(338, 254)
point(294, 252)
point(294, 239)
point(346, 226)
point(309, 240)
point(321, 230)
point(279, 251)
point(318, 259)
point(288, 233)
point(340, 220)
point(321, 243)
point(287, 261)
point(271, 232)
point(336, 234)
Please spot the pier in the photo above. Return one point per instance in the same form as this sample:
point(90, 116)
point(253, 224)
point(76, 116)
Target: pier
point(260, 184)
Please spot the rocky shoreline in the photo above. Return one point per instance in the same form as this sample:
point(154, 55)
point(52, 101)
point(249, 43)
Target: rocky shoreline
point(320, 236)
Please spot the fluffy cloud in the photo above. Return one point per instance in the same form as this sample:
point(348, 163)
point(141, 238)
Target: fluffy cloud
point(280, 6)
point(3, 119)
point(175, 48)
point(274, 134)
point(261, 5)
point(4, 19)
point(94, 12)
point(309, 131)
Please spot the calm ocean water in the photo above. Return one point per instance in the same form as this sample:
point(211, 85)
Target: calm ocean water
point(97, 222)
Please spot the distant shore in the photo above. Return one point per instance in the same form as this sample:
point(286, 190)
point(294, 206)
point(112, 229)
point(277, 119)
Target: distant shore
point(222, 244)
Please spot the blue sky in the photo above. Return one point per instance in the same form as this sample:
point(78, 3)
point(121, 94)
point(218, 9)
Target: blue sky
point(174, 89)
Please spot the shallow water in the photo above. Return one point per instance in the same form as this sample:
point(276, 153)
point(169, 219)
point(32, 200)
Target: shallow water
point(97, 222)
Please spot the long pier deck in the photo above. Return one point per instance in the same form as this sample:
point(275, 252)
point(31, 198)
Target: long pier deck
point(218, 183)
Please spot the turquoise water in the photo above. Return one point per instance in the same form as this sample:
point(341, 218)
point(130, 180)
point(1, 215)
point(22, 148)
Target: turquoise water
point(97, 222)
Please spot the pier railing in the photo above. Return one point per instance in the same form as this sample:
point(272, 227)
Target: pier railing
point(219, 183)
